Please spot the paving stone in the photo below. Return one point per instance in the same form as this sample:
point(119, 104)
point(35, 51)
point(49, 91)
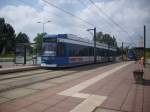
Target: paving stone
point(53, 100)
point(139, 99)
point(59, 80)
point(2, 99)
point(2, 87)
point(89, 104)
point(97, 87)
point(64, 106)
point(8, 108)
point(40, 86)
point(7, 81)
point(24, 110)
point(146, 104)
point(68, 77)
point(34, 108)
point(128, 105)
point(16, 93)
point(105, 110)
point(119, 95)
point(54, 109)
point(25, 73)
point(119, 100)
point(23, 102)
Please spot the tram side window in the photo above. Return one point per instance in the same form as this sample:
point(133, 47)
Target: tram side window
point(91, 51)
point(60, 49)
point(97, 51)
point(81, 52)
point(72, 50)
point(100, 52)
point(84, 51)
point(110, 53)
point(103, 52)
point(113, 53)
point(87, 51)
point(106, 53)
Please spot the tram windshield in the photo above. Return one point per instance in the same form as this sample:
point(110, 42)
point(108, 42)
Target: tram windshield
point(49, 49)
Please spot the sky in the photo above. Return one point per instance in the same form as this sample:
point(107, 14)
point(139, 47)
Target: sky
point(129, 15)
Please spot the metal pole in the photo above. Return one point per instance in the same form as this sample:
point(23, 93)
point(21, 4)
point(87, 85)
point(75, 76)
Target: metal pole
point(43, 23)
point(43, 27)
point(127, 52)
point(15, 53)
point(122, 51)
point(144, 44)
point(24, 54)
point(94, 45)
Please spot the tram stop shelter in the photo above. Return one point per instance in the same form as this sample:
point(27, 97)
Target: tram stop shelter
point(27, 53)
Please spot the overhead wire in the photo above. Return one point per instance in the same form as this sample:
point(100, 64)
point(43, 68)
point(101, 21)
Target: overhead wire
point(93, 11)
point(69, 13)
point(54, 22)
point(53, 5)
point(109, 18)
point(108, 22)
point(106, 15)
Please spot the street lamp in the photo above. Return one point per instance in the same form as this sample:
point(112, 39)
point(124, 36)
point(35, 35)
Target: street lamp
point(43, 23)
point(94, 29)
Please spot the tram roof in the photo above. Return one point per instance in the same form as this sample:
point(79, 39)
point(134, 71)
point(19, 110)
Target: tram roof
point(56, 35)
point(74, 37)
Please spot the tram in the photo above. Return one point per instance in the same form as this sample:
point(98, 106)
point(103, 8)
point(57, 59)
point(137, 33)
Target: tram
point(65, 50)
point(132, 55)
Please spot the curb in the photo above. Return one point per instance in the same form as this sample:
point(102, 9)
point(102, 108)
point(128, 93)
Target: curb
point(21, 69)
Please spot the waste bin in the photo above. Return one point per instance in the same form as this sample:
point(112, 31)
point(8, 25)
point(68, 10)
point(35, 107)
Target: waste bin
point(138, 76)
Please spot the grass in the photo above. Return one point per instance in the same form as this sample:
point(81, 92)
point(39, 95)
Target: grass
point(7, 56)
point(147, 55)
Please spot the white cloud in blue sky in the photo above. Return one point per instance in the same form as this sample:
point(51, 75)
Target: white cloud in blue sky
point(130, 14)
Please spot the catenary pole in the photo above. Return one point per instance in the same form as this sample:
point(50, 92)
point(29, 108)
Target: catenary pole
point(144, 44)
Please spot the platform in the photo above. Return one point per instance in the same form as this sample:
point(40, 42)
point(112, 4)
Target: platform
point(106, 89)
point(18, 68)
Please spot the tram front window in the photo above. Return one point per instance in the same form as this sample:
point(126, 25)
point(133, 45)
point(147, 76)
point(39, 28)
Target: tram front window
point(49, 49)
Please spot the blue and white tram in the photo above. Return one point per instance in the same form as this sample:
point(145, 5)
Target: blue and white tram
point(64, 50)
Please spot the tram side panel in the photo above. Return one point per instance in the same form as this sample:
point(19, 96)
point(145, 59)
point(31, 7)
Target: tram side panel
point(78, 54)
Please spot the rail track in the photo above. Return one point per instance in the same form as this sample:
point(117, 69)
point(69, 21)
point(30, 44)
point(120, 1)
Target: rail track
point(21, 79)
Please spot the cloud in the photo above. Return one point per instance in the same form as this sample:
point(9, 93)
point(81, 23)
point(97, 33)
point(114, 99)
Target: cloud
point(22, 18)
point(129, 14)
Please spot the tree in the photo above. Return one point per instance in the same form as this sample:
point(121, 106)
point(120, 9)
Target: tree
point(39, 40)
point(22, 38)
point(106, 38)
point(115, 41)
point(7, 37)
point(99, 37)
